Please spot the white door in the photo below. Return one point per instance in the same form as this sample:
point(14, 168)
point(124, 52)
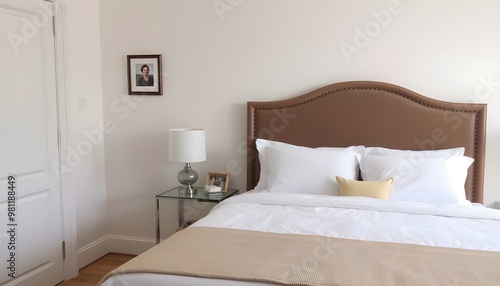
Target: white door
point(30, 198)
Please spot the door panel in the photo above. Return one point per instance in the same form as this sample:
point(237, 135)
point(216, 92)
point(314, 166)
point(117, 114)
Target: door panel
point(28, 147)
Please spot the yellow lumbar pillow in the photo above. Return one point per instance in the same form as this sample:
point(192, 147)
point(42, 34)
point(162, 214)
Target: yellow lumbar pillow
point(372, 189)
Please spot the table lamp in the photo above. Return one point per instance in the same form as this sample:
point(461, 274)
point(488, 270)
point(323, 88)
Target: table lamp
point(188, 146)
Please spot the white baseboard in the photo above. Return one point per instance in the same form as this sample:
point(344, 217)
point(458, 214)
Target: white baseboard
point(129, 245)
point(112, 243)
point(92, 251)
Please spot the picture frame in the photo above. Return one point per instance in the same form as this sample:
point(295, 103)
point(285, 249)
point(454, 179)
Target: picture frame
point(219, 179)
point(144, 74)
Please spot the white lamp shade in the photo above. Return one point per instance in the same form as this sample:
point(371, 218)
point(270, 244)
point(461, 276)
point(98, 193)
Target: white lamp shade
point(187, 145)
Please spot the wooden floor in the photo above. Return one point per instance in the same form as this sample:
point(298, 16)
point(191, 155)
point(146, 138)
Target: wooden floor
point(91, 274)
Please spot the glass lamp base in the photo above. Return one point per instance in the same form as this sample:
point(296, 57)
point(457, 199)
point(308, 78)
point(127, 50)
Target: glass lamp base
point(187, 177)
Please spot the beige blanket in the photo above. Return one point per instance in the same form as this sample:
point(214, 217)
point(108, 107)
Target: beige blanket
point(312, 260)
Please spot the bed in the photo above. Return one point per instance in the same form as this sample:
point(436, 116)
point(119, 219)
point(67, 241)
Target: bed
point(354, 183)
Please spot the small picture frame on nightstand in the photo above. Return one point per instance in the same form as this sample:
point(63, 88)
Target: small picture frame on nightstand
point(218, 179)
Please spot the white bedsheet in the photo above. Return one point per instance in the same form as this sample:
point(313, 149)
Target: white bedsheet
point(469, 227)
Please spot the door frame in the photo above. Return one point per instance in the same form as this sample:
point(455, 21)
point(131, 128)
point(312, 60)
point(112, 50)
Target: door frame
point(68, 200)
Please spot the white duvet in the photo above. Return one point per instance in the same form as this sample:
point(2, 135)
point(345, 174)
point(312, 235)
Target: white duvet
point(469, 227)
point(458, 226)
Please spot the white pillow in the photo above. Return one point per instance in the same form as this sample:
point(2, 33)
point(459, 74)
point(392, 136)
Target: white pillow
point(381, 151)
point(262, 144)
point(420, 179)
point(308, 170)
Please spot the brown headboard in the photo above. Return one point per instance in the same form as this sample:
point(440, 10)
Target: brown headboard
point(373, 114)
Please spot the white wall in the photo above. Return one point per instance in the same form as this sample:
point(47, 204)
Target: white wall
point(84, 113)
point(219, 54)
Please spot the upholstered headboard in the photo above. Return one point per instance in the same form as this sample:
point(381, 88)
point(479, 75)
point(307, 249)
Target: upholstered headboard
point(371, 114)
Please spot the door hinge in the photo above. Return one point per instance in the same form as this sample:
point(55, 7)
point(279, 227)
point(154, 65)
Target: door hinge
point(58, 139)
point(54, 25)
point(64, 249)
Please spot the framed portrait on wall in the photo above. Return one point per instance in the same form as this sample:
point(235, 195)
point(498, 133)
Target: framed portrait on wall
point(144, 75)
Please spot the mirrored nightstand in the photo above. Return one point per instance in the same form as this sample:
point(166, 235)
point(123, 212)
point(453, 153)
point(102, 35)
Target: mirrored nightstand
point(200, 195)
